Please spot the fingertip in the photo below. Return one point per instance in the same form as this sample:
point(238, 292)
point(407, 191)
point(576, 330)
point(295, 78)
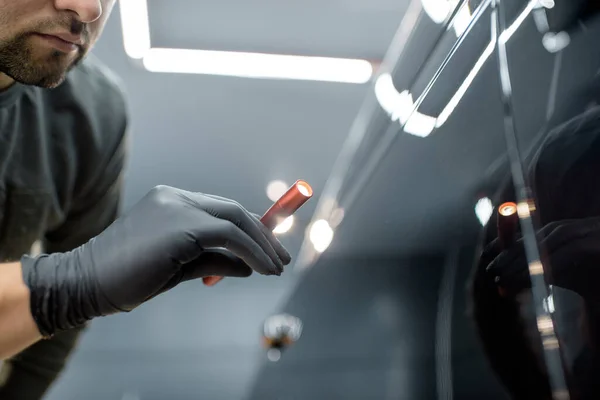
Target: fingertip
point(211, 280)
point(287, 259)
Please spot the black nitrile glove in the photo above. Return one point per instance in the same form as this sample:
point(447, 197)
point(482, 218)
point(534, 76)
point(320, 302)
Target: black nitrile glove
point(572, 248)
point(169, 237)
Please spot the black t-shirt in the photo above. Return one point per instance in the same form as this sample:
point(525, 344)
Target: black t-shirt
point(62, 154)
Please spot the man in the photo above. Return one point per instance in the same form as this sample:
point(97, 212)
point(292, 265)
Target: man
point(565, 176)
point(62, 152)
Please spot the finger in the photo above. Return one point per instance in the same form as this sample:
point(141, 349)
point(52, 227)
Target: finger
point(211, 280)
point(506, 263)
point(514, 282)
point(226, 234)
point(282, 252)
point(490, 252)
point(250, 224)
point(216, 264)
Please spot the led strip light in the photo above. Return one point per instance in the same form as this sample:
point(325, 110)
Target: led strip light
point(136, 40)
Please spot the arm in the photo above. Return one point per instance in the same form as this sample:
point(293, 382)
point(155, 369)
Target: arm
point(17, 327)
point(33, 370)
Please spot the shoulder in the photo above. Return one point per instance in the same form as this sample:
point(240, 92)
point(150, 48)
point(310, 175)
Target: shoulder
point(89, 118)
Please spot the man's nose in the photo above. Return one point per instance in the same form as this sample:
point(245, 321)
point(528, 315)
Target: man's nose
point(87, 10)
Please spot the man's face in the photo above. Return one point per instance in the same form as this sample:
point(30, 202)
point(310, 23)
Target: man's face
point(41, 40)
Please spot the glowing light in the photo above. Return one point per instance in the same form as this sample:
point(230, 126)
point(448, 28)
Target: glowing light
point(285, 226)
point(136, 38)
point(321, 235)
point(507, 34)
point(507, 209)
point(438, 10)
point(484, 210)
point(464, 86)
point(400, 105)
point(136, 27)
point(257, 65)
point(276, 189)
point(274, 355)
point(304, 188)
point(462, 20)
point(555, 42)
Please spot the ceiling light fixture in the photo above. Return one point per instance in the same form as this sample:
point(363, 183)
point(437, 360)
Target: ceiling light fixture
point(137, 43)
point(257, 65)
point(136, 27)
point(276, 189)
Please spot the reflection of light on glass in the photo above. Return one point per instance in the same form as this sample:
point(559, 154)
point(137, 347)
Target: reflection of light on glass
point(440, 10)
point(462, 20)
point(464, 86)
point(337, 216)
point(420, 124)
point(257, 65)
point(321, 235)
point(484, 210)
point(400, 104)
point(274, 355)
point(535, 268)
point(507, 34)
point(524, 209)
point(136, 27)
point(36, 248)
point(545, 325)
point(276, 189)
point(285, 226)
point(549, 304)
point(555, 42)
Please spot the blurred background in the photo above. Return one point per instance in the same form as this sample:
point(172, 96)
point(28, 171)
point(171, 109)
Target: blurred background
point(398, 127)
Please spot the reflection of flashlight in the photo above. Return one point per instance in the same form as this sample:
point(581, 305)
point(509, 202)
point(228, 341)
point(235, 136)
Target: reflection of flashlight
point(288, 204)
point(507, 229)
point(507, 224)
point(280, 332)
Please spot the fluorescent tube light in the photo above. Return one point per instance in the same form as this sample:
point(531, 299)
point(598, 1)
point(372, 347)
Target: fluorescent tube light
point(136, 39)
point(257, 65)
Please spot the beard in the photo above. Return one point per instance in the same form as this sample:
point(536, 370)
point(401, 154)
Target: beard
point(21, 60)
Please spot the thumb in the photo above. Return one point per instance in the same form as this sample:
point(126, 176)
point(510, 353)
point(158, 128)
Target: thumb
point(216, 263)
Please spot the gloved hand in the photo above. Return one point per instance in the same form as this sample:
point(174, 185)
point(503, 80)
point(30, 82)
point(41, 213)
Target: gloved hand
point(169, 237)
point(572, 249)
